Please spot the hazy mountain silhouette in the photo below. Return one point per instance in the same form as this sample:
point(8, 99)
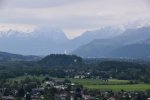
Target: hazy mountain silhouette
point(88, 36)
point(39, 42)
point(4, 56)
point(124, 44)
point(46, 40)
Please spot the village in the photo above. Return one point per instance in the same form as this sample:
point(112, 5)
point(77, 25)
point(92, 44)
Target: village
point(56, 89)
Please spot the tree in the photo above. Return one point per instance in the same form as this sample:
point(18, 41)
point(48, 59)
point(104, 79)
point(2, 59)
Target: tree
point(21, 92)
point(66, 81)
point(50, 93)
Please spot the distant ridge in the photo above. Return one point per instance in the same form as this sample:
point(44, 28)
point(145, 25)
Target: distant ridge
point(4, 56)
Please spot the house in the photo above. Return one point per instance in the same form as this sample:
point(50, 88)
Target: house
point(60, 87)
point(86, 97)
point(8, 97)
point(76, 76)
point(50, 83)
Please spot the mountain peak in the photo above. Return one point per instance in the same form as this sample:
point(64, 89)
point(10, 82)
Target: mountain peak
point(48, 32)
point(41, 41)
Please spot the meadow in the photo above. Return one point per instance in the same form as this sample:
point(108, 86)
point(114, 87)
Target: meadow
point(130, 87)
point(111, 84)
point(99, 82)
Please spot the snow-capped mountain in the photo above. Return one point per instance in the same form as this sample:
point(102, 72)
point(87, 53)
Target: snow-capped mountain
point(46, 40)
point(41, 41)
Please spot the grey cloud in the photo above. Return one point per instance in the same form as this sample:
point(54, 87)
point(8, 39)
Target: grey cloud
point(74, 14)
point(21, 19)
point(85, 21)
point(38, 3)
point(80, 21)
point(148, 2)
point(2, 3)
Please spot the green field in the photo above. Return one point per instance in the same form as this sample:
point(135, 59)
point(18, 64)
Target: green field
point(138, 87)
point(99, 82)
point(112, 84)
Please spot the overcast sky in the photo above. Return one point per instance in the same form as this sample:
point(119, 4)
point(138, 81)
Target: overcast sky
point(74, 16)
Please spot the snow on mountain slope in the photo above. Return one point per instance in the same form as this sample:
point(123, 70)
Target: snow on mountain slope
point(40, 41)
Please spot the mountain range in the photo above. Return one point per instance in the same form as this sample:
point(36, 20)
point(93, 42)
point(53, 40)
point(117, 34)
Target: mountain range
point(88, 36)
point(133, 43)
point(47, 40)
point(104, 42)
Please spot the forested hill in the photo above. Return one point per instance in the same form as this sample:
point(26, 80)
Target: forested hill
point(61, 60)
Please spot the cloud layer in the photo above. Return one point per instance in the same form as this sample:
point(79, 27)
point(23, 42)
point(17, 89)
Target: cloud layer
point(75, 16)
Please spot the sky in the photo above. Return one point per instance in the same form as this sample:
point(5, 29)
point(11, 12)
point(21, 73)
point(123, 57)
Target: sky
point(73, 16)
